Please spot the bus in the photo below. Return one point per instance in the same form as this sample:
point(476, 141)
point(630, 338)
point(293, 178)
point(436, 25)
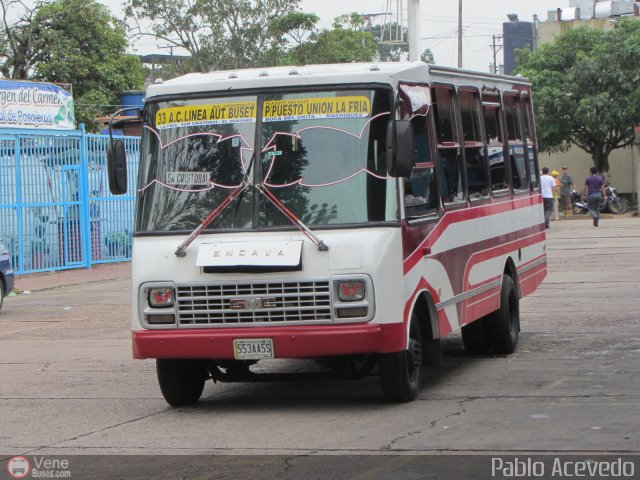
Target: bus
point(354, 214)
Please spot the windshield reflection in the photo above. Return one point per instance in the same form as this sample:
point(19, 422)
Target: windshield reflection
point(327, 169)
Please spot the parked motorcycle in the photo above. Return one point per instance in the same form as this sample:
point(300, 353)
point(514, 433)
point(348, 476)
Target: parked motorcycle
point(578, 203)
point(613, 203)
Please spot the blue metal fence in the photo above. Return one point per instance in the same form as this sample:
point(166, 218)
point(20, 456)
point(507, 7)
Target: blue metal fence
point(56, 211)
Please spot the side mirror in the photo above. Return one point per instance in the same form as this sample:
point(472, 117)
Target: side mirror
point(117, 166)
point(400, 148)
point(117, 158)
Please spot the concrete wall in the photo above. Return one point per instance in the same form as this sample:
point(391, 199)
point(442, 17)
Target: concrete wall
point(623, 166)
point(548, 31)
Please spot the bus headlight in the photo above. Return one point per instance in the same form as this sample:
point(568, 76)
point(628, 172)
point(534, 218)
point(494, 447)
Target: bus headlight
point(353, 298)
point(351, 291)
point(161, 297)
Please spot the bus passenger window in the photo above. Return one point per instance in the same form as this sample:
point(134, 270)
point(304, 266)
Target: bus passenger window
point(451, 188)
point(532, 151)
point(420, 189)
point(474, 147)
point(442, 104)
point(517, 160)
point(449, 152)
point(497, 166)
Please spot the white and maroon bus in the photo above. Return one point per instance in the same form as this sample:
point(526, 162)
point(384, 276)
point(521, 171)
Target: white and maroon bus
point(355, 214)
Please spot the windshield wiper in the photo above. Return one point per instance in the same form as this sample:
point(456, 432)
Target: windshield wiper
point(237, 193)
point(292, 218)
point(180, 251)
point(245, 180)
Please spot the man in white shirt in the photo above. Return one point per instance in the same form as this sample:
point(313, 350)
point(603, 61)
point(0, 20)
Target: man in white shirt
point(547, 184)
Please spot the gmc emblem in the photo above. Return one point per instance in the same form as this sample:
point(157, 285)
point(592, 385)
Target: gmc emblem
point(252, 303)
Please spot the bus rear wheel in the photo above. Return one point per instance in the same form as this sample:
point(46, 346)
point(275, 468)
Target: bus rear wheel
point(181, 381)
point(401, 372)
point(503, 325)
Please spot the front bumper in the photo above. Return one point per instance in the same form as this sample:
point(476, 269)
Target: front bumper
point(288, 342)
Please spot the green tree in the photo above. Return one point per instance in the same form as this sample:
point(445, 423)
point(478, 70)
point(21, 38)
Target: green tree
point(218, 34)
point(178, 23)
point(81, 43)
point(392, 41)
point(17, 50)
point(427, 56)
point(345, 42)
point(70, 41)
point(585, 87)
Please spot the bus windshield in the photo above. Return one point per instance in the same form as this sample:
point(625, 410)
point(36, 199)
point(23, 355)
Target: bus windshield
point(320, 154)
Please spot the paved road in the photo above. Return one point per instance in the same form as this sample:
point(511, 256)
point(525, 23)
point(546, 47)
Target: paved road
point(69, 384)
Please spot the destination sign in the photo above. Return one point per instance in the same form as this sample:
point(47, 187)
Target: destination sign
point(272, 111)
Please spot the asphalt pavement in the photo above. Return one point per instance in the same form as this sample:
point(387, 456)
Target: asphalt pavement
point(70, 387)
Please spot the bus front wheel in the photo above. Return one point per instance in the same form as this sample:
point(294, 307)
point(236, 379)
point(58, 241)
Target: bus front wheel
point(181, 381)
point(401, 372)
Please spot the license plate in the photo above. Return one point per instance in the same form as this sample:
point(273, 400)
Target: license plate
point(253, 349)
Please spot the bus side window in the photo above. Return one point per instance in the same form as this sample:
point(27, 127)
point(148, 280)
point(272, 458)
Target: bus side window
point(497, 166)
point(420, 189)
point(474, 145)
point(449, 151)
point(532, 150)
point(516, 144)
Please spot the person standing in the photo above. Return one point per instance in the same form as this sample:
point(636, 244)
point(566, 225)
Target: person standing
point(556, 195)
point(566, 188)
point(594, 189)
point(547, 184)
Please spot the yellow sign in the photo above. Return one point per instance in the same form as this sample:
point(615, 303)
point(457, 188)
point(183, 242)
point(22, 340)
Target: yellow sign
point(313, 108)
point(216, 114)
point(272, 111)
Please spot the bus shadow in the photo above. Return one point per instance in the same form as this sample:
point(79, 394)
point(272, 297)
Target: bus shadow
point(308, 392)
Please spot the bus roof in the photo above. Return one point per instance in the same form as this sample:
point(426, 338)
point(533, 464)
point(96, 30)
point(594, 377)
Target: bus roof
point(310, 75)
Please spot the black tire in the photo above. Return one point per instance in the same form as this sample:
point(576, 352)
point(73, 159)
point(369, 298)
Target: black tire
point(617, 206)
point(503, 325)
point(1, 294)
point(181, 381)
point(401, 372)
point(474, 337)
point(579, 211)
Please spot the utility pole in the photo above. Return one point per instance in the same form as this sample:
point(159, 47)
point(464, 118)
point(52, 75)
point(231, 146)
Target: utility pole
point(413, 27)
point(459, 33)
point(496, 48)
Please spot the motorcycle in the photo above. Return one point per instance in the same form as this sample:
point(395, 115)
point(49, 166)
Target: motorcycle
point(578, 203)
point(612, 203)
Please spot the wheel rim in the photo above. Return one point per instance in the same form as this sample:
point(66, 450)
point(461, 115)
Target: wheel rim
point(614, 206)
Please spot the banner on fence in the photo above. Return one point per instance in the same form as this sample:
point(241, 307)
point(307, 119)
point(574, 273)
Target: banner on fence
point(35, 105)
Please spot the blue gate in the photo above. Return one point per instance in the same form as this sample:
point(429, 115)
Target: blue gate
point(56, 211)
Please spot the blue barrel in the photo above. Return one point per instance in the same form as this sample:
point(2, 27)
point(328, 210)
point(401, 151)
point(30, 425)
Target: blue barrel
point(132, 98)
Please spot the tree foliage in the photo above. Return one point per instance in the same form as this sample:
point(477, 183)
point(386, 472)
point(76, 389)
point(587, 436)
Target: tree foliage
point(392, 41)
point(344, 43)
point(77, 42)
point(218, 34)
point(585, 87)
point(17, 50)
point(229, 34)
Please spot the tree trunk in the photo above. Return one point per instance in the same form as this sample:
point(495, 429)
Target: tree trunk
point(600, 159)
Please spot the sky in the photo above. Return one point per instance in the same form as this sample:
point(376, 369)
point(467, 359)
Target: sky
point(438, 23)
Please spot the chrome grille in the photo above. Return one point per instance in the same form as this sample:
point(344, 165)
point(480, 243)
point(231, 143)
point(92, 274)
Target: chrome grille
point(289, 302)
